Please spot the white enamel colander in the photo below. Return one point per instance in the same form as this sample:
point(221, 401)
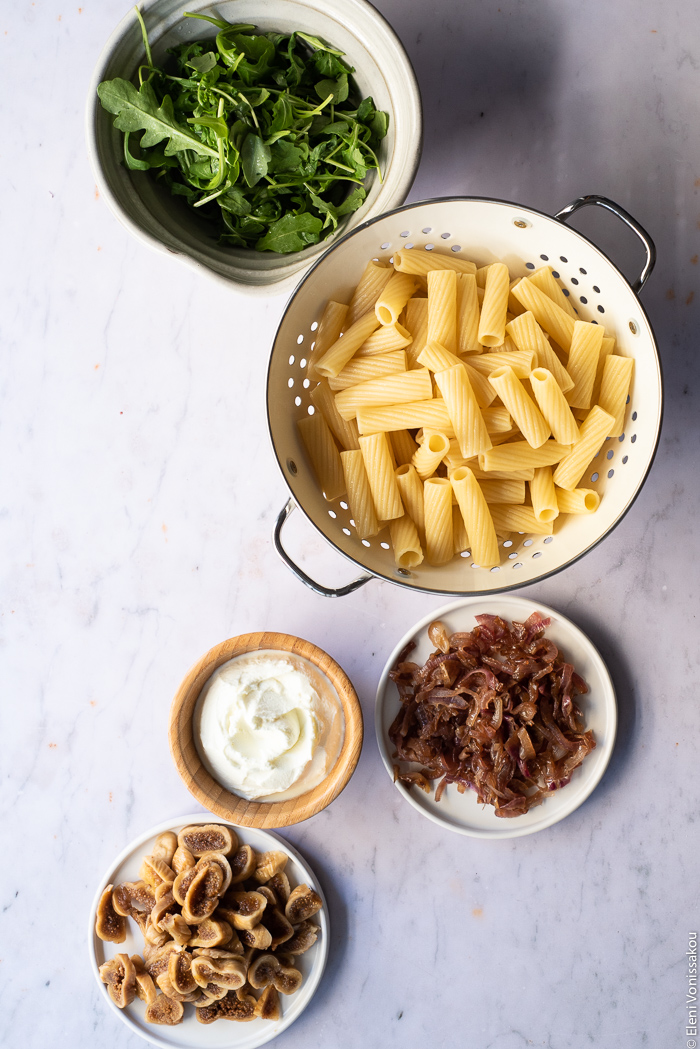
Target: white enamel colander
point(483, 231)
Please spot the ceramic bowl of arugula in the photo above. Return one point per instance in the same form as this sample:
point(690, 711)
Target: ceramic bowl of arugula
point(246, 136)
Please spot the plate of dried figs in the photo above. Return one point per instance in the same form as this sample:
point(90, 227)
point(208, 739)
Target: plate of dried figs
point(197, 923)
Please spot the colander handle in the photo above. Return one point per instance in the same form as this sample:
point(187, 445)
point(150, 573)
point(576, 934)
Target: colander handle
point(318, 588)
point(610, 205)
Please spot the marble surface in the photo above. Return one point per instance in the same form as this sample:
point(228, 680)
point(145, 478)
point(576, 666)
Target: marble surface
point(138, 497)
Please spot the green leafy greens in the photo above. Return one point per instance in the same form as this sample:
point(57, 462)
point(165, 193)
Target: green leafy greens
point(261, 133)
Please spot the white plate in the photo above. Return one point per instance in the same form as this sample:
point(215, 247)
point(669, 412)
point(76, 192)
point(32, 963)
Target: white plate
point(223, 1034)
point(462, 812)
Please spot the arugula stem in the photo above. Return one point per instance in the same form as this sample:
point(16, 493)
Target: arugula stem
point(144, 34)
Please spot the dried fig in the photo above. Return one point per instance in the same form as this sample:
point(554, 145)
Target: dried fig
point(220, 859)
point(279, 884)
point(145, 988)
point(180, 973)
point(182, 860)
point(155, 871)
point(268, 894)
point(202, 896)
point(167, 904)
point(269, 864)
point(211, 837)
point(156, 959)
point(245, 909)
point(120, 976)
point(266, 969)
point(109, 925)
point(268, 1006)
point(243, 864)
point(223, 972)
point(164, 1011)
point(176, 926)
point(182, 884)
point(278, 926)
point(303, 902)
point(258, 937)
point(155, 936)
point(133, 897)
point(164, 847)
point(305, 936)
point(211, 933)
point(232, 1007)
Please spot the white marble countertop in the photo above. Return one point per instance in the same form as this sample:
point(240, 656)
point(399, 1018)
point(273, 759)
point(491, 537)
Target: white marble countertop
point(138, 497)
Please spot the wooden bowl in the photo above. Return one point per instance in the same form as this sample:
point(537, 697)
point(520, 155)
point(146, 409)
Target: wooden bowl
point(199, 781)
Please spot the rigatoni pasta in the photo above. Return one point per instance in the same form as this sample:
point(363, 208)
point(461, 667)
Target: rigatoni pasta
point(359, 494)
point(435, 420)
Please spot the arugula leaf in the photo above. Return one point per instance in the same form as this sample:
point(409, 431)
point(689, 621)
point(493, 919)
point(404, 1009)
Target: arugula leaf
point(337, 89)
point(354, 201)
point(285, 156)
point(255, 157)
point(139, 110)
point(291, 233)
point(318, 44)
point(203, 63)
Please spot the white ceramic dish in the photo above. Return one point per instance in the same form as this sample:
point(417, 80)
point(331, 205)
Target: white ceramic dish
point(222, 1034)
point(382, 70)
point(462, 812)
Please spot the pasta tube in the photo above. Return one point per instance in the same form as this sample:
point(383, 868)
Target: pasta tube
point(521, 456)
point(555, 321)
point(416, 321)
point(545, 280)
point(372, 282)
point(432, 414)
point(460, 539)
point(463, 410)
point(525, 412)
point(437, 504)
point(403, 446)
point(359, 494)
point(345, 431)
point(497, 420)
point(411, 489)
point(522, 362)
point(580, 501)
point(406, 544)
point(442, 308)
point(467, 315)
point(338, 355)
point(380, 474)
point(594, 429)
point(508, 519)
point(503, 491)
point(388, 389)
point(492, 323)
point(362, 369)
point(583, 362)
point(437, 358)
point(527, 335)
point(483, 390)
point(323, 454)
point(476, 516)
point(411, 260)
point(430, 454)
point(543, 495)
point(329, 329)
point(606, 348)
point(554, 406)
point(394, 297)
point(387, 337)
point(617, 376)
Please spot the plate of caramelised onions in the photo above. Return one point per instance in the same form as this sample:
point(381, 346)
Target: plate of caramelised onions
point(495, 717)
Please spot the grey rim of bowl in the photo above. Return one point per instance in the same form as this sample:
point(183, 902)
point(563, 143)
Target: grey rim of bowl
point(290, 274)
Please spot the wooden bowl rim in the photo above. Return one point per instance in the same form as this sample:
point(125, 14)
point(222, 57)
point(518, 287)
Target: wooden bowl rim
point(217, 799)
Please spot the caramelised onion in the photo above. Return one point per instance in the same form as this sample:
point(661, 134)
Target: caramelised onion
point(492, 710)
